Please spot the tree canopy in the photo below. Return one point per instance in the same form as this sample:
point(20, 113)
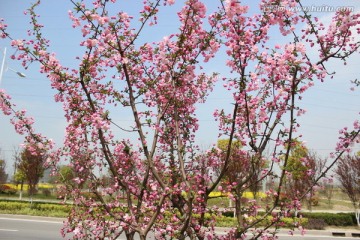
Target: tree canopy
point(161, 180)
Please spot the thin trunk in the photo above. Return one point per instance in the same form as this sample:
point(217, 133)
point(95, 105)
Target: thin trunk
point(357, 215)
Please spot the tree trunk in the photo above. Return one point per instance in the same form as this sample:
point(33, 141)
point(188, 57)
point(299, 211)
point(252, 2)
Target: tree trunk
point(21, 190)
point(357, 215)
point(239, 216)
point(31, 192)
point(130, 236)
point(310, 201)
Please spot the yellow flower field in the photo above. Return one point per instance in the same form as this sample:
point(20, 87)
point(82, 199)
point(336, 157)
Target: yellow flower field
point(26, 186)
point(245, 194)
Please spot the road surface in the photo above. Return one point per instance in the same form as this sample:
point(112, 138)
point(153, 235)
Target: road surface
point(13, 227)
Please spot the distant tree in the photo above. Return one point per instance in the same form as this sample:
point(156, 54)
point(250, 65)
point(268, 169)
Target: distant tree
point(19, 176)
point(32, 166)
point(66, 174)
point(296, 175)
point(3, 174)
point(348, 173)
point(303, 169)
point(65, 177)
point(328, 189)
point(315, 168)
point(242, 173)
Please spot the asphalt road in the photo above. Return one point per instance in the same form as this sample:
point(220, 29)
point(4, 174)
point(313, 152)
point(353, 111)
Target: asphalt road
point(26, 227)
point(14, 227)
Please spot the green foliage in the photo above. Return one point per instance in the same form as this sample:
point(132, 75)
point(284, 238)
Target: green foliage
point(228, 214)
point(66, 174)
point(19, 176)
point(226, 222)
point(294, 165)
point(294, 222)
point(224, 143)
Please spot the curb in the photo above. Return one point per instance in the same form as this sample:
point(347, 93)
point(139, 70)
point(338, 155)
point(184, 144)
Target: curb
point(327, 232)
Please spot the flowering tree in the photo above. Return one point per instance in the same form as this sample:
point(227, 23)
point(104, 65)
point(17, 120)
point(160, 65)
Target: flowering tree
point(160, 182)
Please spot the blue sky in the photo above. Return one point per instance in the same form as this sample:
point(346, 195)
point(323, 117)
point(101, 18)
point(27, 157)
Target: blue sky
point(330, 105)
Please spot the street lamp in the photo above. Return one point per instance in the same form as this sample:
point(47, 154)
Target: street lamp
point(20, 74)
point(2, 68)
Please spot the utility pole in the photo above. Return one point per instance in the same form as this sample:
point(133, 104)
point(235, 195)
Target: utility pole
point(2, 65)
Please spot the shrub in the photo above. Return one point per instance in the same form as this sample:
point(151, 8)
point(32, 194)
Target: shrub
point(10, 191)
point(228, 214)
point(294, 222)
point(315, 201)
point(285, 222)
point(316, 223)
point(312, 220)
point(5, 189)
point(226, 222)
point(46, 192)
point(89, 195)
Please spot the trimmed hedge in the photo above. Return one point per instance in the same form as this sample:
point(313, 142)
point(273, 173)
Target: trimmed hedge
point(284, 222)
point(316, 223)
point(35, 208)
point(319, 220)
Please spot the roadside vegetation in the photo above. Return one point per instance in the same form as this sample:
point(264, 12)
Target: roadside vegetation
point(47, 202)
